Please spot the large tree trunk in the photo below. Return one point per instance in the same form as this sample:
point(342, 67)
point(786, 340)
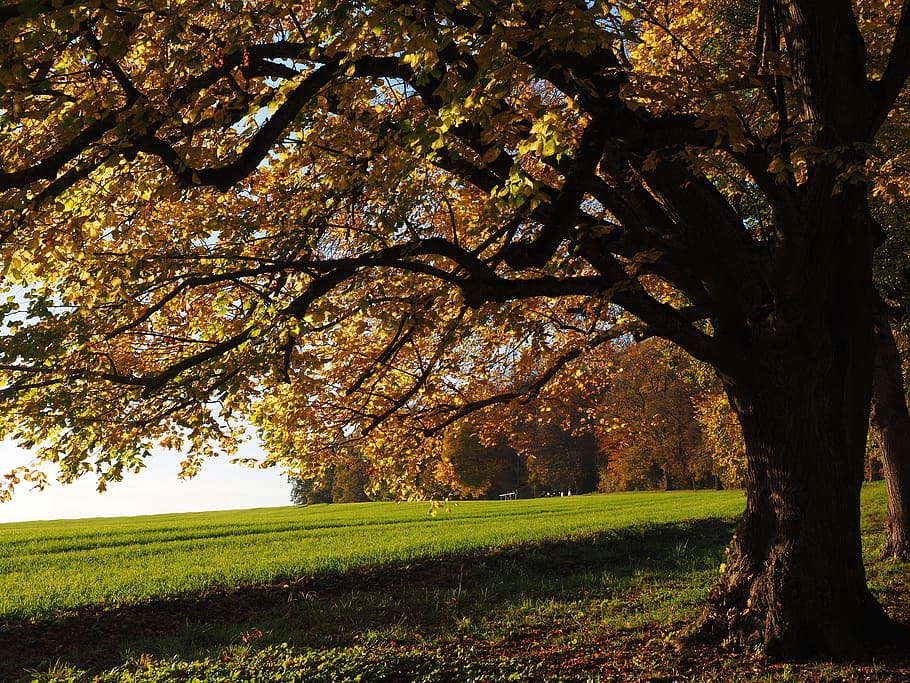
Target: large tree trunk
point(794, 581)
point(890, 424)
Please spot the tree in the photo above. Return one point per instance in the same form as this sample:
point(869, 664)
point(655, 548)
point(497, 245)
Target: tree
point(890, 421)
point(890, 424)
point(306, 491)
point(344, 481)
point(343, 220)
point(482, 470)
point(350, 482)
point(648, 424)
point(722, 436)
point(558, 459)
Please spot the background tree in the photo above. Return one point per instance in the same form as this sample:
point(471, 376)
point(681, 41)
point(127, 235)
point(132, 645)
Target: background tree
point(480, 470)
point(722, 438)
point(310, 491)
point(344, 481)
point(351, 482)
point(660, 416)
point(889, 419)
point(342, 221)
point(890, 422)
point(560, 459)
point(649, 431)
point(890, 425)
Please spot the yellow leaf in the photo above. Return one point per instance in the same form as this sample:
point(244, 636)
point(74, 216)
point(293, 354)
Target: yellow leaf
point(777, 165)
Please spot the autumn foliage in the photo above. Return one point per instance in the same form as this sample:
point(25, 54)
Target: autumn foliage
point(647, 416)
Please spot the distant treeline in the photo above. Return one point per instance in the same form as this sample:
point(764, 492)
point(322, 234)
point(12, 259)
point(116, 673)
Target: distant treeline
point(654, 419)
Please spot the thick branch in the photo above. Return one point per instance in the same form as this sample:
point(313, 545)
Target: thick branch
point(662, 319)
point(828, 59)
point(224, 177)
point(156, 382)
point(565, 206)
point(479, 283)
point(48, 168)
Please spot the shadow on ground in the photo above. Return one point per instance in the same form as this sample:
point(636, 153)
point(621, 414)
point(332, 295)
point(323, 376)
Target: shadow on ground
point(335, 610)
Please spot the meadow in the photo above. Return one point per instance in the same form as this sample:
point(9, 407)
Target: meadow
point(58, 565)
point(586, 588)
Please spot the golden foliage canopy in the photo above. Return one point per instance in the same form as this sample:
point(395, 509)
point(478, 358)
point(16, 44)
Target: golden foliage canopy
point(351, 220)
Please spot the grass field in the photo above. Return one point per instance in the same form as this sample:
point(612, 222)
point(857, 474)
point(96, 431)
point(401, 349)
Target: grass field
point(47, 566)
point(588, 588)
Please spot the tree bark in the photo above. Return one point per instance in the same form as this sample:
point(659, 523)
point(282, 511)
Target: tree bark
point(794, 582)
point(890, 423)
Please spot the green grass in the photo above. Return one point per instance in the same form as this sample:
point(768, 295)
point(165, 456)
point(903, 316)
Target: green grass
point(593, 588)
point(48, 566)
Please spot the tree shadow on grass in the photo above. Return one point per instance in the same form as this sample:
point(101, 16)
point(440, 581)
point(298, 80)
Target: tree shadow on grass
point(427, 595)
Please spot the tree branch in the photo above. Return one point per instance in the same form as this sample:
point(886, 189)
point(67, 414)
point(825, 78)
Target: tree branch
point(224, 177)
point(188, 283)
point(421, 379)
point(156, 382)
point(539, 384)
point(480, 285)
point(564, 207)
point(49, 167)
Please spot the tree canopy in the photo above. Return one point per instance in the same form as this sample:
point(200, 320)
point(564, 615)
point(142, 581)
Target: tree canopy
point(350, 221)
point(220, 197)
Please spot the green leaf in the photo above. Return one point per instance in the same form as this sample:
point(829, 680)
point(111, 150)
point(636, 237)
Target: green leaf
point(627, 12)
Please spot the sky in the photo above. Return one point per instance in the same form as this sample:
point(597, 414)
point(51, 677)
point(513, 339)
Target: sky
point(156, 489)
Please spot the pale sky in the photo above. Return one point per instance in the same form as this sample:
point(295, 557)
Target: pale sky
point(156, 489)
